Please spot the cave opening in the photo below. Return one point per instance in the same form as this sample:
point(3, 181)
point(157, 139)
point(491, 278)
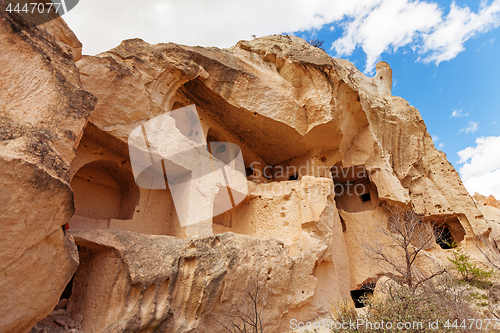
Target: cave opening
point(104, 191)
point(448, 230)
point(354, 191)
point(68, 290)
point(361, 295)
point(444, 237)
point(66, 294)
point(366, 197)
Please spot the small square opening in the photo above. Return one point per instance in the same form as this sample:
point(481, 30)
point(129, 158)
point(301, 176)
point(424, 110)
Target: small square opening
point(366, 197)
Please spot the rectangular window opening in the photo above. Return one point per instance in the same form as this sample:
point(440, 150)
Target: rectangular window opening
point(365, 197)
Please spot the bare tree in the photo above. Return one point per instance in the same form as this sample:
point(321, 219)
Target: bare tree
point(246, 317)
point(407, 236)
point(489, 249)
point(316, 43)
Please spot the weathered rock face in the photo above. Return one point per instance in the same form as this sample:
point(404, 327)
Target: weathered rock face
point(324, 148)
point(129, 282)
point(43, 111)
point(286, 104)
point(490, 208)
point(486, 201)
point(309, 126)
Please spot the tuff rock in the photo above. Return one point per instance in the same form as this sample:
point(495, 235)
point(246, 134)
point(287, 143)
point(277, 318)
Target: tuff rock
point(486, 201)
point(43, 110)
point(307, 125)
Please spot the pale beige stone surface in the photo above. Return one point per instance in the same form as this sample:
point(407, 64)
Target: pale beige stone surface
point(285, 103)
point(295, 112)
point(134, 282)
point(64, 37)
point(297, 115)
point(486, 201)
point(42, 114)
point(492, 216)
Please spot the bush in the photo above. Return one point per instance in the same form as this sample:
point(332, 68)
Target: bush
point(467, 268)
point(443, 303)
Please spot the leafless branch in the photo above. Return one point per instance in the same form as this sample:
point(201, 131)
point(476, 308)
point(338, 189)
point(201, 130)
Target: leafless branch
point(246, 317)
point(488, 250)
point(407, 235)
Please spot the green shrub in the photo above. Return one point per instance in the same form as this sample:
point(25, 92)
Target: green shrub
point(443, 303)
point(467, 268)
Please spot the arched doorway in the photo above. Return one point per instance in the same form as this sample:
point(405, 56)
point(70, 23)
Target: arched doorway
point(104, 190)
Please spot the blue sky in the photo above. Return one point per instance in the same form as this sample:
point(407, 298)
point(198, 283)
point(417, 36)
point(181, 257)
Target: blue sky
point(444, 55)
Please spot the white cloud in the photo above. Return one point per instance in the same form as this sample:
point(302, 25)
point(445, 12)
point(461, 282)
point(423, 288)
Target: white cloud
point(419, 25)
point(458, 113)
point(389, 25)
point(377, 26)
point(490, 43)
point(102, 25)
point(472, 127)
point(481, 166)
point(435, 139)
point(448, 38)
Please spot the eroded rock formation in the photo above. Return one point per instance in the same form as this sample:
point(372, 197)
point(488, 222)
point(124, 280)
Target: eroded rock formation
point(486, 201)
point(43, 111)
point(324, 148)
point(307, 125)
point(173, 285)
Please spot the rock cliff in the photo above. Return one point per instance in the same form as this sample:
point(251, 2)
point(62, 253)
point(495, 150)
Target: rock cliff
point(486, 201)
point(324, 148)
point(43, 110)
